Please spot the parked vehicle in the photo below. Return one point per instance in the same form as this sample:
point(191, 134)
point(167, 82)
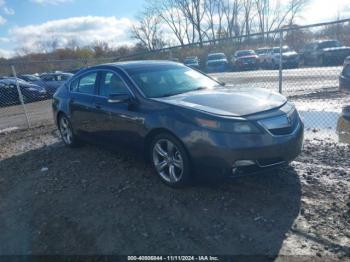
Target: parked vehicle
point(9, 93)
point(192, 61)
point(33, 80)
point(344, 79)
point(290, 58)
point(184, 121)
point(245, 59)
point(343, 126)
point(54, 80)
point(264, 54)
point(325, 52)
point(216, 62)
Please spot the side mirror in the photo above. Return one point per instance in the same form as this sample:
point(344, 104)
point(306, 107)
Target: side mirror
point(119, 98)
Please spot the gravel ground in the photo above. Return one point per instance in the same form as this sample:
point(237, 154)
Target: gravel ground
point(91, 200)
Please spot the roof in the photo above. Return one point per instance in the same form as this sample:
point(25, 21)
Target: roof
point(139, 64)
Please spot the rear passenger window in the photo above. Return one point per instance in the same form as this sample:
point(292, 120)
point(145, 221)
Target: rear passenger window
point(85, 84)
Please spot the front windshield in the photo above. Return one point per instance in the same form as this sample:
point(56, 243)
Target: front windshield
point(32, 78)
point(262, 51)
point(329, 44)
point(245, 53)
point(216, 57)
point(161, 82)
point(190, 61)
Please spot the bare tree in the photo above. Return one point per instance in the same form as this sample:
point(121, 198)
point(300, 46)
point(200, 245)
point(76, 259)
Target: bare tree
point(231, 9)
point(147, 31)
point(194, 11)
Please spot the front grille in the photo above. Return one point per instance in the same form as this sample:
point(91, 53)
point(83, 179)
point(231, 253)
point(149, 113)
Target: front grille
point(282, 131)
point(283, 125)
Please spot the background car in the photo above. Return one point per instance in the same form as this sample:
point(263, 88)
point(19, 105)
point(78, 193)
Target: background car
point(344, 80)
point(184, 121)
point(33, 80)
point(216, 62)
point(192, 62)
point(54, 81)
point(245, 59)
point(325, 52)
point(290, 58)
point(9, 93)
point(263, 54)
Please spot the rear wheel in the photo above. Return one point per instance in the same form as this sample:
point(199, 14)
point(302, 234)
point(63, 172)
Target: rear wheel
point(66, 131)
point(170, 160)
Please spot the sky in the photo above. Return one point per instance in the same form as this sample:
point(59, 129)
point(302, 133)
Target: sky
point(24, 22)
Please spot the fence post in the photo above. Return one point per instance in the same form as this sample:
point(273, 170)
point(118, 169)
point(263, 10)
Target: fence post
point(20, 95)
point(280, 64)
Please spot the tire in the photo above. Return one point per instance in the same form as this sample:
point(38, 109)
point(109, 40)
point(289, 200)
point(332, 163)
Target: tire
point(66, 132)
point(320, 61)
point(170, 160)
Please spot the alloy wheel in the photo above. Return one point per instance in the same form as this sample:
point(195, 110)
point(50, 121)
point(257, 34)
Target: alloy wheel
point(65, 130)
point(168, 161)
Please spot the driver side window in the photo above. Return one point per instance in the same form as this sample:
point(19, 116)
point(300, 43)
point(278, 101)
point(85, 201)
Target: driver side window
point(112, 84)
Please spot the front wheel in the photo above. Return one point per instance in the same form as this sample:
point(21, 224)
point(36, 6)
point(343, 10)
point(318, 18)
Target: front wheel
point(170, 160)
point(66, 131)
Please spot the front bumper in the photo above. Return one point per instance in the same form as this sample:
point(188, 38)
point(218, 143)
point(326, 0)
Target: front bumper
point(217, 153)
point(217, 68)
point(247, 65)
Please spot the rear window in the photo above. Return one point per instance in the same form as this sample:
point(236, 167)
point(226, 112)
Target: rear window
point(328, 44)
point(216, 57)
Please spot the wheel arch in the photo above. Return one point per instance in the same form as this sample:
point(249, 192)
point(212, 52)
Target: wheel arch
point(153, 133)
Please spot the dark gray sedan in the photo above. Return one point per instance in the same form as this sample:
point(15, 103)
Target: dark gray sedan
point(53, 81)
point(186, 122)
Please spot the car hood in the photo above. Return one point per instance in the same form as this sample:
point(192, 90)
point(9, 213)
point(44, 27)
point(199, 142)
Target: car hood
point(292, 53)
point(340, 48)
point(234, 102)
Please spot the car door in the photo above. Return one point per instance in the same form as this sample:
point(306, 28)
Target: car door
point(116, 122)
point(82, 92)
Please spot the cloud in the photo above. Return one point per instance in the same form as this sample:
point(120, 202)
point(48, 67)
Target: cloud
point(8, 11)
point(50, 2)
point(324, 11)
point(80, 30)
point(5, 53)
point(2, 20)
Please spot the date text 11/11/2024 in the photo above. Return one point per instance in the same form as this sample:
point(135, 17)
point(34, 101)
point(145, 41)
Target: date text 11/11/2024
point(173, 258)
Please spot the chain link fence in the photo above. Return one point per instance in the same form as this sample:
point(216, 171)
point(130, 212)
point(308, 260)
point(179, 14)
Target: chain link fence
point(303, 63)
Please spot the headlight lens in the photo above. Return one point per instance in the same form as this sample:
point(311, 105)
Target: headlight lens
point(239, 127)
point(244, 128)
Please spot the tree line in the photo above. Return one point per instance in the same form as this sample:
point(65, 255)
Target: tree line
point(181, 22)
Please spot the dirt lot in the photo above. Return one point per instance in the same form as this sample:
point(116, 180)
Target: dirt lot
point(90, 200)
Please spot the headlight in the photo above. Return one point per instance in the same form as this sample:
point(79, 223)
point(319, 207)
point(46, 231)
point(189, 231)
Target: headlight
point(244, 128)
point(239, 127)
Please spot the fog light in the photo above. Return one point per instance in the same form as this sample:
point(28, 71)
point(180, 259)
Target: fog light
point(241, 163)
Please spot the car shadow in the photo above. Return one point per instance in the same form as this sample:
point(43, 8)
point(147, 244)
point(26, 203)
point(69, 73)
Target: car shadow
point(56, 200)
